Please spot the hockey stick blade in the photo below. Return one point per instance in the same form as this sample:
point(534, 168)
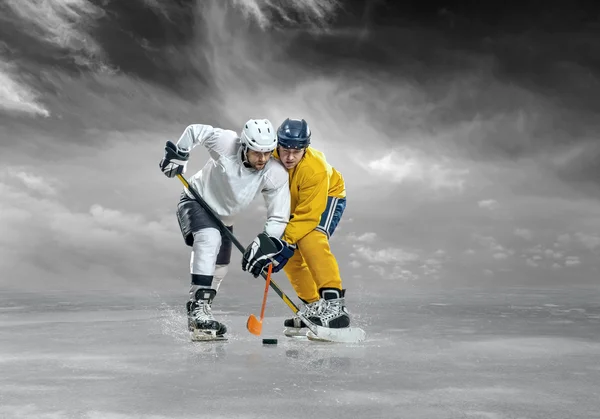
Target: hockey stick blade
point(344, 335)
point(328, 334)
point(208, 336)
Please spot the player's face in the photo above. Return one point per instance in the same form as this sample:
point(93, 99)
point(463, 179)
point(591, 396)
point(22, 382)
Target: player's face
point(290, 157)
point(257, 159)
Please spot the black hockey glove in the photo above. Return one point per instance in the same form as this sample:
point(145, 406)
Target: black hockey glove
point(263, 251)
point(175, 160)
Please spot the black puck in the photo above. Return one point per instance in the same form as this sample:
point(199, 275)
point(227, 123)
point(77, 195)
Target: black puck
point(269, 341)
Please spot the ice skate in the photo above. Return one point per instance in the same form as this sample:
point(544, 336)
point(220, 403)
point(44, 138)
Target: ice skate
point(332, 320)
point(295, 327)
point(201, 323)
point(330, 310)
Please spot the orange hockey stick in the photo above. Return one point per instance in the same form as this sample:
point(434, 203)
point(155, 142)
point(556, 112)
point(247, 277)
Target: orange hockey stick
point(254, 325)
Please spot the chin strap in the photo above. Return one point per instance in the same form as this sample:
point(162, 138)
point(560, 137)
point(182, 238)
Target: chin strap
point(244, 152)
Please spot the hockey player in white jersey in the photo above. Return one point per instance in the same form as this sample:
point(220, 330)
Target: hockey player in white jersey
point(239, 168)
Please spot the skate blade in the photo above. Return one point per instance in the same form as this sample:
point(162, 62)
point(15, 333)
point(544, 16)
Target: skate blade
point(296, 333)
point(344, 335)
point(203, 336)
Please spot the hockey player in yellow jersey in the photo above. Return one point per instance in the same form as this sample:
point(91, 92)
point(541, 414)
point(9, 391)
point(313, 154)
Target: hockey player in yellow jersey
point(318, 200)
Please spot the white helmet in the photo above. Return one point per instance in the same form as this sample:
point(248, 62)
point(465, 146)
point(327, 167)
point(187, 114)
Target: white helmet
point(259, 135)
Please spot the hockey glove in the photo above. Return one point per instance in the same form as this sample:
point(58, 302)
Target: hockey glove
point(263, 251)
point(281, 258)
point(175, 160)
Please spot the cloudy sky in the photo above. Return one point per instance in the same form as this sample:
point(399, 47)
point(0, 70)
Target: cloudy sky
point(468, 138)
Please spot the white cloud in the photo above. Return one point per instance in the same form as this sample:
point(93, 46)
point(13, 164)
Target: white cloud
point(485, 241)
point(572, 261)
point(431, 267)
point(44, 232)
point(108, 229)
point(60, 23)
point(589, 241)
point(312, 12)
point(365, 237)
point(434, 262)
point(540, 256)
point(409, 165)
point(399, 273)
point(34, 182)
point(27, 411)
point(387, 255)
point(63, 23)
point(159, 7)
point(532, 263)
point(394, 273)
point(355, 264)
point(16, 96)
point(524, 233)
point(490, 243)
point(549, 253)
point(537, 249)
point(498, 248)
point(490, 204)
point(488, 272)
point(445, 177)
point(469, 252)
point(378, 269)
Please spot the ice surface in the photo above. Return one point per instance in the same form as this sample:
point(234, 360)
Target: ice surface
point(519, 354)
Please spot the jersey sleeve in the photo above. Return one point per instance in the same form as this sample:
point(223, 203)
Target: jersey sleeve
point(312, 202)
point(216, 140)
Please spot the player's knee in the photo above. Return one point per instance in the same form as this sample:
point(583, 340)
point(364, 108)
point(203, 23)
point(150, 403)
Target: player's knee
point(221, 271)
point(207, 237)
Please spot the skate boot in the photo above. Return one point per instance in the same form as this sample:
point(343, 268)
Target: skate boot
point(330, 311)
point(201, 322)
point(295, 327)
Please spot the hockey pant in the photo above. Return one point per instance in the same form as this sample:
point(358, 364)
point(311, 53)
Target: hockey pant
point(313, 266)
point(211, 250)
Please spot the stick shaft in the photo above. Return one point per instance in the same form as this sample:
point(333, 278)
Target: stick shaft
point(264, 303)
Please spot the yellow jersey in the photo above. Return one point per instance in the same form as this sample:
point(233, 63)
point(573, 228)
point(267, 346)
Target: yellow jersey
point(312, 181)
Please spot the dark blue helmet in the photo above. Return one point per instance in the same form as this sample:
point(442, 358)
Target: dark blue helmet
point(293, 133)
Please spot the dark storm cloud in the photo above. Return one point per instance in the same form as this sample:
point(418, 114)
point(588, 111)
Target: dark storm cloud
point(47, 35)
point(100, 31)
point(66, 56)
point(155, 40)
point(132, 37)
point(553, 51)
point(150, 38)
point(529, 72)
point(461, 56)
point(80, 64)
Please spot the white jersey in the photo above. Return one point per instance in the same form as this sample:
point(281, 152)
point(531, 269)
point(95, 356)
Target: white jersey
point(228, 186)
